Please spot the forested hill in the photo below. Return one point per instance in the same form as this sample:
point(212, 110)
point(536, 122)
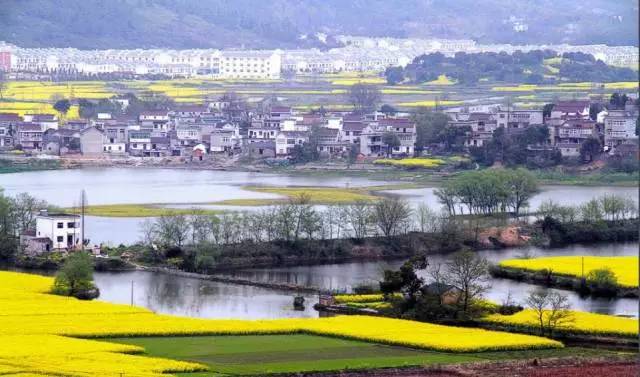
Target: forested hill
point(283, 23)
point(535, 67)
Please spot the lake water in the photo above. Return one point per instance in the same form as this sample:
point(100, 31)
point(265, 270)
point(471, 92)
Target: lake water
point(199, 298)
point(128, 185)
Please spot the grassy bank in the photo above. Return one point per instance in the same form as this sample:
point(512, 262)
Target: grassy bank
point(137, 210)
point(264, 354)
point(12, 166)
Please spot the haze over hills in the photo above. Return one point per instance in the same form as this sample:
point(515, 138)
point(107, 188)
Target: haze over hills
point(90, 24)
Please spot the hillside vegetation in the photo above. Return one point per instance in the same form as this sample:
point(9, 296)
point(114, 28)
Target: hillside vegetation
point(99, 24)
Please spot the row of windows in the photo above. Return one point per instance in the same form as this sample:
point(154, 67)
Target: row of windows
point(70, 225)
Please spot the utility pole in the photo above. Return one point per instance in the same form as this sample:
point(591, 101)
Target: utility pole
point(83, 199)
point(131, 292)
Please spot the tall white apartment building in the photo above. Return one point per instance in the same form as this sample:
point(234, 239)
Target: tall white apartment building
point(250, 64)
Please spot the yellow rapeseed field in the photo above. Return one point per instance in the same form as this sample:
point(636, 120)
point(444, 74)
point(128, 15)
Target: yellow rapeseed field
point(412, 162)
point(39, 333)
point(625, 268)
point(581, 322)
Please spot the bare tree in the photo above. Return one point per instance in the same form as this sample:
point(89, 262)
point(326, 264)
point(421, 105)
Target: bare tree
point(469, 273)
point(427, 219)
point(551, 309)
point(364, 97)
point(390, 214)
point(172, 230)
point(359, 218)
point(24, 210)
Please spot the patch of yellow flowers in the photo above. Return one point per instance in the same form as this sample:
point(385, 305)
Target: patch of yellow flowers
point(625, 268)
point(412, 162)
point(580, 322)
point(40, 333)
point(373, 297)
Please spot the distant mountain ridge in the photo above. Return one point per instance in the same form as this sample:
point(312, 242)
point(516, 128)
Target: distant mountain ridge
point(91, 24)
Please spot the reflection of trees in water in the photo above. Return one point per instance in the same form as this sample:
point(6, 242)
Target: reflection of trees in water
point(175, 295)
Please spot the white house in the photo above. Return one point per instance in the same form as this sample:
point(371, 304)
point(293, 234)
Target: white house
point(63, 230)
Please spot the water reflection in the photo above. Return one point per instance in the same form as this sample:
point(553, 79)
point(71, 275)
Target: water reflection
point(346, 276)
point(168, 294)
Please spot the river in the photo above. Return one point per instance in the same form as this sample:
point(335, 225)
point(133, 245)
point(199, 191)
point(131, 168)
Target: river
point(137, 185)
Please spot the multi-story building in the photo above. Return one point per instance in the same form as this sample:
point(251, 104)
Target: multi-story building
point(62, 230)
point(287, 140)
point(29, 136)
point(250, 65)
point(372, 137)
point(569, 136)
point(514, 120)
point(619, 127)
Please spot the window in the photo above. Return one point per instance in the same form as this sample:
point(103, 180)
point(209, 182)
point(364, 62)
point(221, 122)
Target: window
point(71, 225)
point(60, 225)
point(60, 238)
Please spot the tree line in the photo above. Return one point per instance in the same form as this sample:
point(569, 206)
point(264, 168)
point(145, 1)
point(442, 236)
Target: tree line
point(488, 192)
point(519, 67)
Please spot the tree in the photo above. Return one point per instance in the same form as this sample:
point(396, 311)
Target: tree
point(172, 230)
point(523, 186)
point(8, 239)
point(594, 109)
point(358, 216)
point(602, 281)
point(468, 272)
point(394, 75)
point(429, 127)
point(546, 110)
point(388, 109)
point(589, 149)
point(75, 277)
point(62, 106)
point(391, 140)
point(391, 215)
point(405, 279)
point(618, 101)
point(551, 310)
point(364, 98)
point(3, 83)
point(25, 208)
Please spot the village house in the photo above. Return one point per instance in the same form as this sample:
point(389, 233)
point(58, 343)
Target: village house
point(481, 126)
point(448, 294)
point(225, 138)
point(287, 140)
point(371, 138)
point(45, 121)
point(569, 136)
point(260, 149)
point(570, 109)
point(619, 127)
point(53, 232)
point(29, 136)
point(514, 120)
point(61, 141)
point(139, 143)
point(157, 121)
point(115, 138)
point(76, 125)
point(351, 131)
point(91, 141)
point(8, 122)
point(329, 142)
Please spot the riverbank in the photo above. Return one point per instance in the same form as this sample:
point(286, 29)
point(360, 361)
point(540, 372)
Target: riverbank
point(18, 163)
